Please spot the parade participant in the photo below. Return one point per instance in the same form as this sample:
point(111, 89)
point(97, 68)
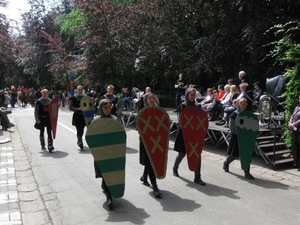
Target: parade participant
point(179, 146)
point(77, 119)
point(144, 177)
point(5, 123)
point(180, 86)
point(243, 78)
point(41, 114)
point(113, 98)
point(294, 126)
point(105, 107)
point(148, 100)
point(233, 151)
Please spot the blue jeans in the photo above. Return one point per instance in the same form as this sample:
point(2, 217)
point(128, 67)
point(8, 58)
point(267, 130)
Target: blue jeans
point(125, 102)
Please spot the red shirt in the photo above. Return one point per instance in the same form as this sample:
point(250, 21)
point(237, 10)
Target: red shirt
point(220, 95)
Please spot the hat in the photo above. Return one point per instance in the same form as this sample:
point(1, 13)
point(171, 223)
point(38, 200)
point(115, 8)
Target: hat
point(257, 83)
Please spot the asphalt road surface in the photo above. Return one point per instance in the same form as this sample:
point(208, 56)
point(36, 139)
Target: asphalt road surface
point(60, 187)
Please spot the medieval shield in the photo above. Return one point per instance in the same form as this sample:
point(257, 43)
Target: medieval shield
point(53, 114)
point(107, 140)
point(194, 123)
point(247, 131)
point(153, 124)
point(88, 108)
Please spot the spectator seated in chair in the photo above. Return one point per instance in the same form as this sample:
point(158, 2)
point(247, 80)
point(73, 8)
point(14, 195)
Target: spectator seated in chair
point(227, 113)
point(136, 98)
point(257, 93)
point(234, 93)
point(209, 98)
point(221, 99)
point(126, 100)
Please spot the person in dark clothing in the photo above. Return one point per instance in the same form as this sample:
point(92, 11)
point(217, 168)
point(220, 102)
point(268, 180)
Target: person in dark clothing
point(112, 97)
point(38, 94)
point(181, 85)
point(257, 93)
point(105, 107)
point(5, 123)
point(78, 119)
point(13, 98)
point(190, 96)
point(2, 98)
point(126, 99)
point(233, 151)
point(242, 77)
point(41, 114)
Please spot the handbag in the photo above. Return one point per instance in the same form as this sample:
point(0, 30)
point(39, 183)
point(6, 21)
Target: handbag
point(38, 126)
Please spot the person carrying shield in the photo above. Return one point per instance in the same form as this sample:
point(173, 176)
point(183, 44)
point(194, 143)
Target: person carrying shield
point(105, 107)
point(233, 151)
point(149, 100)
point(179, 146)
point(42, 118)
point(110, 89)
point(78, 119)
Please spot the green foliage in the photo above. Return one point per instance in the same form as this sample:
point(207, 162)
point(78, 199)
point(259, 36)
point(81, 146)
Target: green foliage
point(166, 101)
point(69, 23)
point(287, 50)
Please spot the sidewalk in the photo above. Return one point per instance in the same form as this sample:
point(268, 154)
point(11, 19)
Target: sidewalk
point(9, 199)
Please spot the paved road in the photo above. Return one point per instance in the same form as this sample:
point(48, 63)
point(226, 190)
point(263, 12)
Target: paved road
point(59, 188)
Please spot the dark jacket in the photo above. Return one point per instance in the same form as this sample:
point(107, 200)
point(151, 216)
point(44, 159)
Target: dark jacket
point(77, 119)
point(233, 147)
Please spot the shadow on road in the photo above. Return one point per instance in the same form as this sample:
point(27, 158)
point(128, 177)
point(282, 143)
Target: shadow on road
point(54, 154)
point(129, 212)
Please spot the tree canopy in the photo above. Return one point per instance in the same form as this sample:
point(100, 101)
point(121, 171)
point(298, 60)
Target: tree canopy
point(141, 43)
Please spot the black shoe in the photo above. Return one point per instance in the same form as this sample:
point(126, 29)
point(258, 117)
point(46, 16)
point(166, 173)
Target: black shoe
point(10, 125)
point(175, 172)
point(249, 176)
point(110, 203)
point(298, 169)
point(199, 181)
point(156, 193)
point(225, 167)
point(50, 148)
point(80, 145)
point(43, 148)
point(145, 182)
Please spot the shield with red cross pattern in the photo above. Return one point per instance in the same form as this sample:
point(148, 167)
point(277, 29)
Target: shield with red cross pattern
point(153, 124)
point(194, 123)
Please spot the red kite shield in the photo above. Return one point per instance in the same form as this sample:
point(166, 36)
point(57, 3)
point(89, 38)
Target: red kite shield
point(153, 124)
point(194, 123)
point(53, 114)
